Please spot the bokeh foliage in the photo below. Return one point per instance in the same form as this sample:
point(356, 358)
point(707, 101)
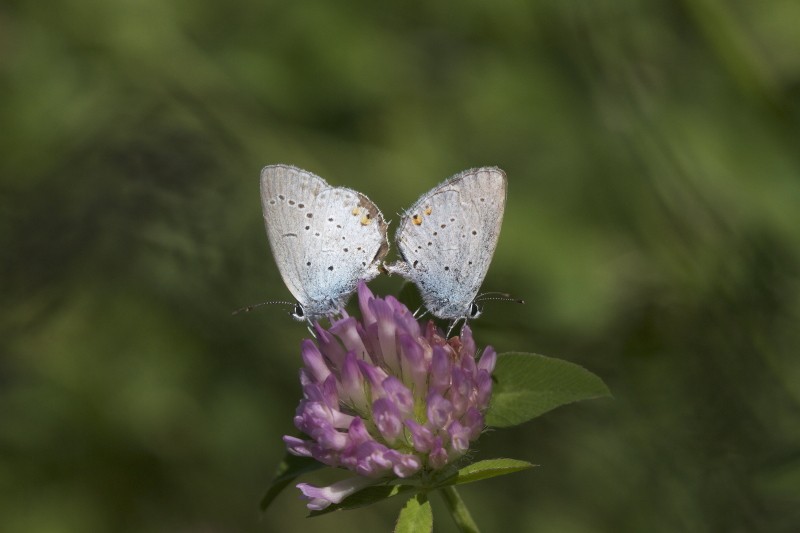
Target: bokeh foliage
point(652, 228)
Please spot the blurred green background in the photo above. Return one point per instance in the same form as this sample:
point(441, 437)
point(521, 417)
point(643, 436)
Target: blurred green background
point(653, 227)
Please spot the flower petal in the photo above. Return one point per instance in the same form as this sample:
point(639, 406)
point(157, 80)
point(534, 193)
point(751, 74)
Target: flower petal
point(313, 360)
point(330, 346)
point(399, 395)
point(484, 384)
point(321, 497)
point(374, 376)
point(459, 437)
point(460, 392)
point(467, 342)
point(473, 419)
point(405, 465)
point(403, 317)
point(420, 436)
point(387, 418)
point(347, 330)
point(297, 446)
point(371, 459)
point(438, 456)
point(353, 389)
point(441, 370)
point(364, 297)
point(488, 360)
point(440, 410)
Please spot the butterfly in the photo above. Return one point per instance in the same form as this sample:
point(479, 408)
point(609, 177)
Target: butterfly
point(447, 239)
point(324, 239)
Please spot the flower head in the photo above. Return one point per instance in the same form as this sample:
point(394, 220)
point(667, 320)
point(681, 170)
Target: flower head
point(387, 397)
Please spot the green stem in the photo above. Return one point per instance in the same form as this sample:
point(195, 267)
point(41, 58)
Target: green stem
point(458, 510)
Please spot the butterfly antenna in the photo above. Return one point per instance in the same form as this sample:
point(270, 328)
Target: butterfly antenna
point(500, 296)
point(249, 308)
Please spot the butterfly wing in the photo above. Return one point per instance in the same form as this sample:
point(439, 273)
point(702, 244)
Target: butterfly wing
point(448, 237)
point(324, 239)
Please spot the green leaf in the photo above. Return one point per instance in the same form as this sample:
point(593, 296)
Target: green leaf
point(489, 468)
point(529, 385)
point(415, 516)
point(291, 467)
point(367, 496)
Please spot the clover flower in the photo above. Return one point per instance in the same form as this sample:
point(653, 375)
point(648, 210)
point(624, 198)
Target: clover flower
point(387, 397)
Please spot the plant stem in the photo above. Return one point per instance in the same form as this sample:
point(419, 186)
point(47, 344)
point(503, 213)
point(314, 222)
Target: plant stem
point(458, 510)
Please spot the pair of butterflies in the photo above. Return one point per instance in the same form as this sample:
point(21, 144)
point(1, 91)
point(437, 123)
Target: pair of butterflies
point(325, 239)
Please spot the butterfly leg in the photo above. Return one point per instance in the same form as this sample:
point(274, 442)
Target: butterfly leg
point(310, 328)
point(453, 325)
